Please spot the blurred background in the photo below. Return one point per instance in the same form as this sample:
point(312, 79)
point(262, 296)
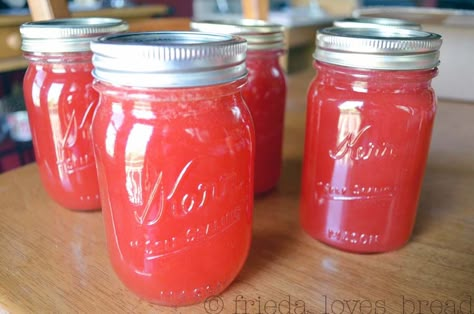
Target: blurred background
point(453, 19)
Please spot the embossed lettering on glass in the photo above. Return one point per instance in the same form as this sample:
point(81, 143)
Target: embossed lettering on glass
point(60, 101)
point(369, 119)
point(174, 145)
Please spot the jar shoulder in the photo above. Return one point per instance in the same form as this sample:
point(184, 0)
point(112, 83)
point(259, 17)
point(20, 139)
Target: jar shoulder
point(369, 96)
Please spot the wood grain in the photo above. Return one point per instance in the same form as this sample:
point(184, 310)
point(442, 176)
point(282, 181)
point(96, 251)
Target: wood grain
point(55, 260)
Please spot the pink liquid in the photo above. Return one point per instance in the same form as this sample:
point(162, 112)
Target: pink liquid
point(60, 101)
point(367, 141)
point(176, 176)
point(265, 95)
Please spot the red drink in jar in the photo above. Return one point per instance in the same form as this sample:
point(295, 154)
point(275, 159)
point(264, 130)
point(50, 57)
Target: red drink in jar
point(60, 101)
point(174, 145)
point(369, 120)
point(265, 93)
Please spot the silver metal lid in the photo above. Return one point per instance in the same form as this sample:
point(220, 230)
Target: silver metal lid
point(169, 59)
point(373, 48)
point(67, 35)
point(260, 35)
point(366, 22)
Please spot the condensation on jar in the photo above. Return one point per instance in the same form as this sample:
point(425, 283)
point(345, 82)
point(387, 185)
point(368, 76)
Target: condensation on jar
point(369, 119)
point(60, 101)
point(265, 92)
point(174, 145)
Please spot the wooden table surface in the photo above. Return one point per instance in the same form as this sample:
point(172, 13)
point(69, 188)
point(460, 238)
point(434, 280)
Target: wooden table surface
point(55, 260)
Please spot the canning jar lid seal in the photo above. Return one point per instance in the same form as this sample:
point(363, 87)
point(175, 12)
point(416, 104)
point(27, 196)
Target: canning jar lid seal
point(378, 48)
point(367, 22)
point(67, 35)
point(260, 35)
point(169, 59)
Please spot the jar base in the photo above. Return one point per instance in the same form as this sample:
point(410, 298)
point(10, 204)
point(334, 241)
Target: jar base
point(262, 192)
point(180, 300)
point(82, 206)
point(342, 246)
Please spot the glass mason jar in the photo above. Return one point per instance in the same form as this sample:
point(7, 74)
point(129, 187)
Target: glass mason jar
point(60, 102)
point(174, 146)
point(369, 120)
point(377, 22)
point(265, 93)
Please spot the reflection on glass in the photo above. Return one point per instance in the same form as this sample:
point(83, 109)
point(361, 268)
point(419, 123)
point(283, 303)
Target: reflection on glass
point(348, 127)
point(137, 143)
point(57, 132)
point(115, 124)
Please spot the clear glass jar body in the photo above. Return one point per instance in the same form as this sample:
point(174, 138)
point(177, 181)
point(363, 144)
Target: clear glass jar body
point(265, 95)
point(175, 170)
point(60, 101)
point(367, 140)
